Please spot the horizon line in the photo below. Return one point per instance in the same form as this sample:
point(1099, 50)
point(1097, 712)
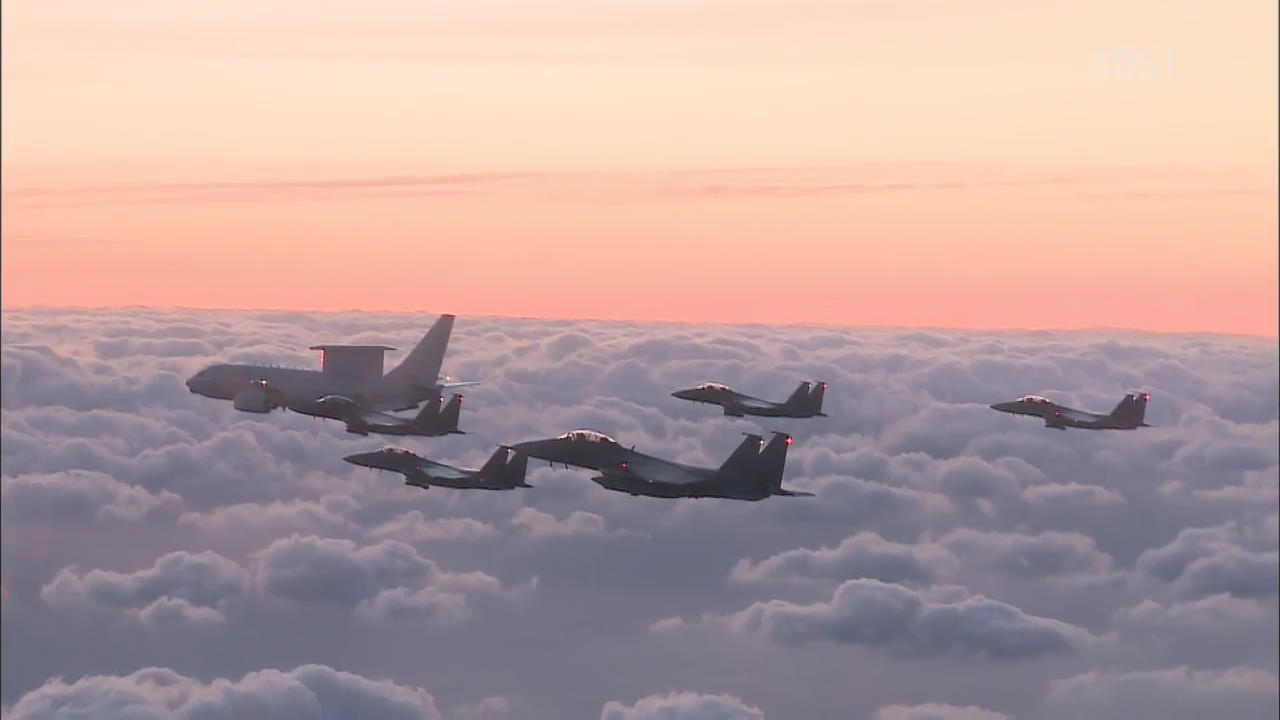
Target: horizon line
point(1097, 329)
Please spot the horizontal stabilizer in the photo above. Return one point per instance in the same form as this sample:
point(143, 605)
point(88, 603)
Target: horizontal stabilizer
point(793, 493)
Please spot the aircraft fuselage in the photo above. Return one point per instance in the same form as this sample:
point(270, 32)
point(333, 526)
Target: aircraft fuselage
point(624, 470)
point(299, 386)
point(1061, 417)
point(421, 472)
point(739, 404)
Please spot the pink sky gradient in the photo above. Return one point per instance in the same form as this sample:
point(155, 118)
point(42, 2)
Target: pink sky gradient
point(867, 163)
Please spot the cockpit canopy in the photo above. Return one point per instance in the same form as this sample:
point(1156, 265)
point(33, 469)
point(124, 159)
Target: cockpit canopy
point(585, 435)
point(392, 450)
point(713, 386)
point(1034, 399)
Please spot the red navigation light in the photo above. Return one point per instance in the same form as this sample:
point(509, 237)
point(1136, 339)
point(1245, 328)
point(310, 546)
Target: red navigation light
point(788, 440)
point(461, 399)
point(824, 386)
point(623, 464)
point(1057, 413)
point(1145, 397)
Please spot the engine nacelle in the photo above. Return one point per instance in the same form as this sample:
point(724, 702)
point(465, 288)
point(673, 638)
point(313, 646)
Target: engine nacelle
point(252, 399)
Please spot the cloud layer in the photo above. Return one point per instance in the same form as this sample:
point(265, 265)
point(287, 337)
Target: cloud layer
point(955, 562)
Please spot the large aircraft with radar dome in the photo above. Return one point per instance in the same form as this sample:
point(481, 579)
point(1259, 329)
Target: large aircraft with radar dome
point(353, 372)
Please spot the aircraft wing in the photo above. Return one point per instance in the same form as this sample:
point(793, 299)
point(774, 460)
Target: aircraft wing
point(461, 383)
point(654, 470)
point(440, 470)
point(392, 404)
point(373, 417)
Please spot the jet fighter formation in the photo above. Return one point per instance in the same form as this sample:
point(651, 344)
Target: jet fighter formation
point(351, 388)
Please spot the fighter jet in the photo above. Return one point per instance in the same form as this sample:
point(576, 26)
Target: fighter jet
point(750, 473)
point(805, 402)
point(1127, 415)
point(351, 371)
point(430, 421)
point(503, 471)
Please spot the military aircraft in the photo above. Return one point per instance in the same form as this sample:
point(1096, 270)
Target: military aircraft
point(430, 421)
point(503, 471)
point(750, 473)
point(1128, 415)
point(805, 402)
point(351, 371)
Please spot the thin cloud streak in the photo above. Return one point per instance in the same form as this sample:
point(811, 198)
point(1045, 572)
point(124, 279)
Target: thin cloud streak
point(678, 184)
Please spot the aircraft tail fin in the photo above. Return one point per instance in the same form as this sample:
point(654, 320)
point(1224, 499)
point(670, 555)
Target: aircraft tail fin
point(773, 461)
point(430, 410)
point(1132, 410)
point(515, 469)
point(506, 465)
point(799, 399)
point(815, 396)
point(744, 458)
point(421, 367)
point(450, 415)
point(493, 466)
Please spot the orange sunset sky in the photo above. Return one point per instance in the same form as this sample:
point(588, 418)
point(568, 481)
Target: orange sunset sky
point(987, 164)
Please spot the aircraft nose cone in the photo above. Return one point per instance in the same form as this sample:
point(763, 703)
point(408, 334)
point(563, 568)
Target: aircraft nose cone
point(364, 459)
point(199, 384)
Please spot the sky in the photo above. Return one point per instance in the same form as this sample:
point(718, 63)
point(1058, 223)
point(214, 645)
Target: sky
point(164, 555)
point(996, 164)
